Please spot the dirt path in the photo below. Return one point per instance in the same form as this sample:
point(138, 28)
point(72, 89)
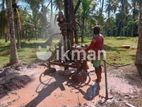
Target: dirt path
point(36, 94)
point(58, 94)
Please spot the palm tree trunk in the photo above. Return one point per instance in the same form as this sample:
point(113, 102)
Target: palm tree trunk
point(102, 7)
point(109, 9)
point(138, 61)
point(13, 48)
point(18, 40)
point(3, 2)
point(68, 16)
point(77, 6)
point(82, 32)
point(17, 23)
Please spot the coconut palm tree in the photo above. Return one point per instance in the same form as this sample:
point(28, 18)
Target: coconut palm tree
point(111, 6)
point(138, 61)
point(85, 12)
point(17, 22)
point(102, 8)
point(3, 25)
point(13, 48)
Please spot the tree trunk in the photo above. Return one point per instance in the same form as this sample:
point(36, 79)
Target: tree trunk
point(17, 23)
point(102, 9)
point(13, 48)
point(138, 61)
point(68, 10)
point(82, 32)
point(18, 40)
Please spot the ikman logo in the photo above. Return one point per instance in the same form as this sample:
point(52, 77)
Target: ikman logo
point(43, 55)
point(71, 55)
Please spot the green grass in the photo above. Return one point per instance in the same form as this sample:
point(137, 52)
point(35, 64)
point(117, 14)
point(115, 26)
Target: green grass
point(115, 54)
point(26, 54)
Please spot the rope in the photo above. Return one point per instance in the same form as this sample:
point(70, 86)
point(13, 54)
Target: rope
point(117, 66)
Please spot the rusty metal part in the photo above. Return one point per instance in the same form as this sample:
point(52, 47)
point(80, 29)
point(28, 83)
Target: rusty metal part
point(79, 77)
point(62, 23)
point(44, 76)
point(68, 27)
point(73, 65)
point(49, 71)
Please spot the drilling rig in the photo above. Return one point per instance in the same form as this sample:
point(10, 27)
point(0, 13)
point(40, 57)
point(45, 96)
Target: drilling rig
point(68, 26)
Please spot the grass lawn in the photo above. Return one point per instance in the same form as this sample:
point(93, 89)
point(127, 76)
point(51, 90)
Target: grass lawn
point(26, 54)
point(115, 54)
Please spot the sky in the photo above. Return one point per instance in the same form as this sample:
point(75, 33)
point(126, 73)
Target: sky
point(26, 6)
point(23, 5)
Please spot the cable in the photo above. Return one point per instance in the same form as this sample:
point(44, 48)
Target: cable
point(117, 66)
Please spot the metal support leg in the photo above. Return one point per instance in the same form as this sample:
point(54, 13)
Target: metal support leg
point(107, 97)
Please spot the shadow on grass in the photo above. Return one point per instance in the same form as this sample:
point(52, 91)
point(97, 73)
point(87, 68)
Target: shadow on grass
point(33, 45)
point(133, 57)
point(121, 38)
point(25, 45)
point(4, 48)
point(109, 48)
